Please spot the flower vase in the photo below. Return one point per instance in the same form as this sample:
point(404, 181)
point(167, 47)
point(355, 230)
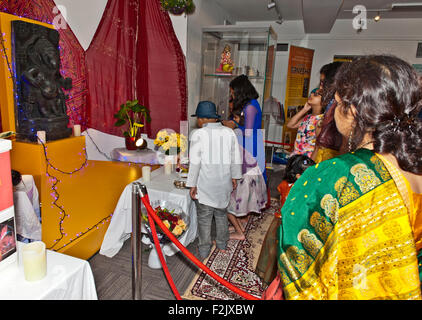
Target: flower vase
point(130, 143)
point(170, 163)
point(154, 260)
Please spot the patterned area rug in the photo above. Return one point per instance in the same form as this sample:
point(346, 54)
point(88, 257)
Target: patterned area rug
point(237, 265)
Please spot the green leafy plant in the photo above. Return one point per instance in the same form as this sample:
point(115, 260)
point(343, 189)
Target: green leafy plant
point(178, 6)
point(133, 114)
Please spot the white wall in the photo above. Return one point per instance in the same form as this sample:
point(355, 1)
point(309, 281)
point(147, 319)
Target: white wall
point(83, 17)
point(180, 26)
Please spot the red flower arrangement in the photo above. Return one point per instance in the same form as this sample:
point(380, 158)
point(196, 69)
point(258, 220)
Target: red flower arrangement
point(173, 221)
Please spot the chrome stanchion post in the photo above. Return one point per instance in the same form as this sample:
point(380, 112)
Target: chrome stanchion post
point(136, 243)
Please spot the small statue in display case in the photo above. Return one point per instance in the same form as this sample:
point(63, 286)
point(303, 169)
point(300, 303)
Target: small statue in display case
point(226, 63)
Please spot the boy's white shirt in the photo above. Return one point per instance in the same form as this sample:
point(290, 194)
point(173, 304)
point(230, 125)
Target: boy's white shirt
point(214, 160)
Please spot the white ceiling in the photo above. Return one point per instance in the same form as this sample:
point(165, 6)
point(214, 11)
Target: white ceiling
point(318, 15)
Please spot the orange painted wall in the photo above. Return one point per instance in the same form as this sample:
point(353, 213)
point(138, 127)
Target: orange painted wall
point(88, 196)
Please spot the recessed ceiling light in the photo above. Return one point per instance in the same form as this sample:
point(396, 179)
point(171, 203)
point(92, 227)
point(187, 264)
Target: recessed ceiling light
point(377, 17)
point(271, 5)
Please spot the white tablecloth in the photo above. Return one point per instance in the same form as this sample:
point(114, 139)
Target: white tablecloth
point(67, 278)
point(160, 187)
point(138, 156)
point(99, 145)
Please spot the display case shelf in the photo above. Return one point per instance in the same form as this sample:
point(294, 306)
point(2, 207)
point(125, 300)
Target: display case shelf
point(253, 54)
point(232, 76)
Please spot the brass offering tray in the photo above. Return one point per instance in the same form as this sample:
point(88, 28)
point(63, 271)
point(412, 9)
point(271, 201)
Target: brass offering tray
point(180, 184)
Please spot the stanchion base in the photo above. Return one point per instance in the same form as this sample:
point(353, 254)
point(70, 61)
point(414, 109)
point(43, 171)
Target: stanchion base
point(154, 260)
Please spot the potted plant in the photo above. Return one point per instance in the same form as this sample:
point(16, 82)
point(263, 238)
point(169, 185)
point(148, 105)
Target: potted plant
point(177, 7)
point(133, 114)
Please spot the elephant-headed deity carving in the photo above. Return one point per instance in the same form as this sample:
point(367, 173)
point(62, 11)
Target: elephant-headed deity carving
point(41, 83)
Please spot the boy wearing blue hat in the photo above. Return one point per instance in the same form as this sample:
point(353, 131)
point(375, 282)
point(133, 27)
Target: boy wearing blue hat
point(215, 165)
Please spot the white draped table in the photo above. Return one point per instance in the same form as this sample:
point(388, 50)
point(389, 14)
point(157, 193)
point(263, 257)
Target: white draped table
point(67, 278)
point(161, 187)
point(147, 156)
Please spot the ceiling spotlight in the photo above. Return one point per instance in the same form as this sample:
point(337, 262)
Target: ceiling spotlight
point(271, 5)
point(377, 17)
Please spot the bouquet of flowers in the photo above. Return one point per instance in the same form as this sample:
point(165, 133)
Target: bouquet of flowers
point(177, 223)
point(170, 143)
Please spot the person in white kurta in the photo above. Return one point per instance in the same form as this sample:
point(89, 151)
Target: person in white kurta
point(215, 165)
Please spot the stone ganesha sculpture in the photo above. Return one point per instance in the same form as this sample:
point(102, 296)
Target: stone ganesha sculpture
point(41, 101)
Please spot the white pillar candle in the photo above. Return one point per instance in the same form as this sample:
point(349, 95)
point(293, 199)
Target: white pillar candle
point(41, 137)
point(146, 173)
point(34, 259)
point(77, 130)
point(168, 167)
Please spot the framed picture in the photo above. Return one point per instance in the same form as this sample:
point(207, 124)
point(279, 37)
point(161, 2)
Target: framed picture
point(7, 237)
point(292, 110)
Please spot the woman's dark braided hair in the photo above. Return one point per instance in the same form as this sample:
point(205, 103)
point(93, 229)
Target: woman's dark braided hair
point(387, 94)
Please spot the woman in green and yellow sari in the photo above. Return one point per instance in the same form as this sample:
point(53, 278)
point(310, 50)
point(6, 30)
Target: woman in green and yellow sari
point(352, 225)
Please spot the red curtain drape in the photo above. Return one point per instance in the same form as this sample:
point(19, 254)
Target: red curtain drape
point(167, 89)
point(112, 64)
point(135, 54)
point(72, 53)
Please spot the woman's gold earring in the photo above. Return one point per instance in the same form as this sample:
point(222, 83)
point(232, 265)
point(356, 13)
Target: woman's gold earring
point(350, 140)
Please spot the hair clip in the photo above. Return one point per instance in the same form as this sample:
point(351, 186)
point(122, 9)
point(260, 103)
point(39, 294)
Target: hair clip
point(400, 122)
point(396, 123)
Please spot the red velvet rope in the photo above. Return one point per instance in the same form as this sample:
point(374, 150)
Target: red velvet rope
point(151, 212)
point(279, 143)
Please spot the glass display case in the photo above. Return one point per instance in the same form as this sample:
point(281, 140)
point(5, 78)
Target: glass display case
point(229, 51)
